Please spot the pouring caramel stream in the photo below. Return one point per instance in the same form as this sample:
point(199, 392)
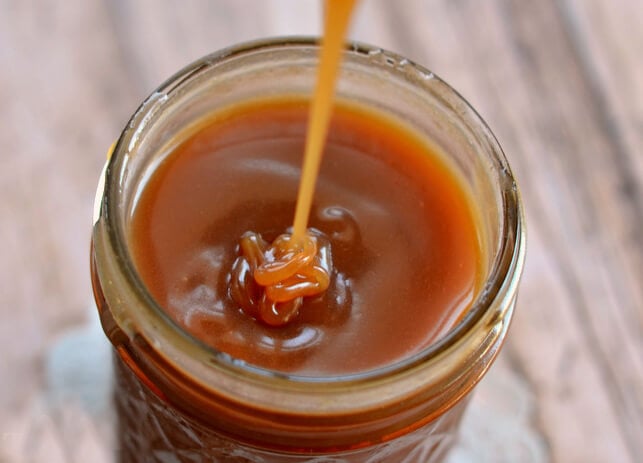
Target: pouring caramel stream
point(269, 281)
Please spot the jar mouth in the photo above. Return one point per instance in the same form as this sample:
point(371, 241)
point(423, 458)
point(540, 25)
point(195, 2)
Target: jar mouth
point(499, 286)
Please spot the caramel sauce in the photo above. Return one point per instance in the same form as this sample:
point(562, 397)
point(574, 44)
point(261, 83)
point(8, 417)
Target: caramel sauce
point(338, 13)
point(389, 263)
point(269, 282)
point(400, 227)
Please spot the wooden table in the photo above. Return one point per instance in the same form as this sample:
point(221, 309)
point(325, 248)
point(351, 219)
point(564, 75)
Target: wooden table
point(559, 81)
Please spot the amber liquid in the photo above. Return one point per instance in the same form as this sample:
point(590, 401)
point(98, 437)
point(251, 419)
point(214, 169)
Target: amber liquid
point(401, 225)
point(406, 267)
point(270, 280)
point(338, 13)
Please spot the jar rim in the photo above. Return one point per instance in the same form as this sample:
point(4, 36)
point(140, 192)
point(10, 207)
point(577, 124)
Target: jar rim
point(506, 265)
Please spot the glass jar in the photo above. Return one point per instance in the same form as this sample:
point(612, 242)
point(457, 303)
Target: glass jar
point(181, 401)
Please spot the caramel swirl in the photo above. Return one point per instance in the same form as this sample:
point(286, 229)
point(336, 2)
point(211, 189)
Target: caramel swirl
point(270, 281)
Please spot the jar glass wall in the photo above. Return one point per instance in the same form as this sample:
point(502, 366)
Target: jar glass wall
point(176, 396)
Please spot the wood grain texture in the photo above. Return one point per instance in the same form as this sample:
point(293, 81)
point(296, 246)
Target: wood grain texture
point(559, 81)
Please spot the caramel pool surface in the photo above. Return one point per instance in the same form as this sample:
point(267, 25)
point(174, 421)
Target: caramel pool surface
point(401, 227)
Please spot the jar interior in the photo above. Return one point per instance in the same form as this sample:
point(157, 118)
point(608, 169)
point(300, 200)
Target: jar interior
point(370, 77)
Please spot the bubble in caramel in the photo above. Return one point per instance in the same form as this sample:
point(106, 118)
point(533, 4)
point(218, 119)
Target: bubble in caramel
point(270, 281)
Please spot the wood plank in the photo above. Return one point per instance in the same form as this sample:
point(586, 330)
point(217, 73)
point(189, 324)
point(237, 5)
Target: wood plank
point(608, 39)
point(156, 39)
point(59, 113)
